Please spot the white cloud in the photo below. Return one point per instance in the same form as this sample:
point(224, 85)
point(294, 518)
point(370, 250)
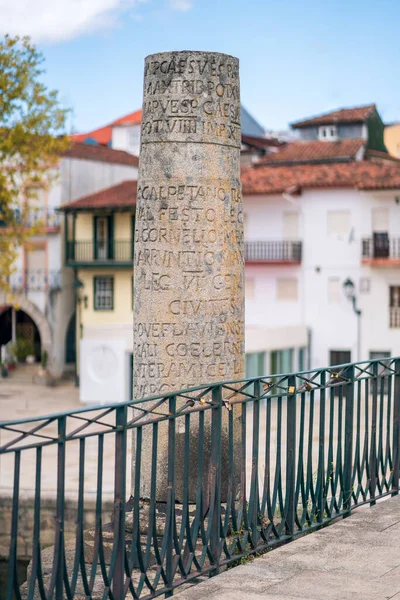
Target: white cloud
point(182, 5)
point(57, 20)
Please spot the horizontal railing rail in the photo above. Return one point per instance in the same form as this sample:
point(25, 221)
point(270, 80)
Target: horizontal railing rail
point(381, 248)
point(36, 280)
point(243, 465)
point(273, 251)
point(89, 251)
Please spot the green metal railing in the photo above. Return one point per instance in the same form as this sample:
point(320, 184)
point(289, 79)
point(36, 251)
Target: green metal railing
point(265, 460)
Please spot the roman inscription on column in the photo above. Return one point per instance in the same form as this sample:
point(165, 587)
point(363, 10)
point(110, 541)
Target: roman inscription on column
point(188, 264)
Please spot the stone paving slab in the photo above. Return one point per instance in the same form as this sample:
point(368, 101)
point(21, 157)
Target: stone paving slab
point(357, 558)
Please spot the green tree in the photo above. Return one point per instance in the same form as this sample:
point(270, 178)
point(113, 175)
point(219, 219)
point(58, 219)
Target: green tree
point(32, 138)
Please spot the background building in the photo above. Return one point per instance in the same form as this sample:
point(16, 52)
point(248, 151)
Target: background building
point(320, 213)
point(42, 310)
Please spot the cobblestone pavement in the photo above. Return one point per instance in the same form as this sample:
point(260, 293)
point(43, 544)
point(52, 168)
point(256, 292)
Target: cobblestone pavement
point(357, 558)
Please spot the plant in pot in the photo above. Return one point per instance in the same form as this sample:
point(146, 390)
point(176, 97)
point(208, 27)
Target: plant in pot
point(22, 349)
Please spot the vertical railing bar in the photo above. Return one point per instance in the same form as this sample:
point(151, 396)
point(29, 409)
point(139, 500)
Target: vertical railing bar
point(348, 442)
point(79, 545)
point(372, 459)
point(320, 487)
point(12, 584)
point(36, 569)
point(290, 507)
point(254, 499)
point(396, 429)
point(169, 530)
point(215, 475)
point(117, 574)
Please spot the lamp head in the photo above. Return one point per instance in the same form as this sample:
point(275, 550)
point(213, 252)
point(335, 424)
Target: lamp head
point(348, 287)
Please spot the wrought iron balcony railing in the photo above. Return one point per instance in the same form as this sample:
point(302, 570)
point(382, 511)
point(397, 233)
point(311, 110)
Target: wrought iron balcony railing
point(381, 246)
point(295, 452)
point(43, 217)
point(36, 280)
point(116, 251)
point(273, 251)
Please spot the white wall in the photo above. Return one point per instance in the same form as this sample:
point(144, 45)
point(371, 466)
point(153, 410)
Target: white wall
point(126, 138)
point(333, 324)
point(82, 177)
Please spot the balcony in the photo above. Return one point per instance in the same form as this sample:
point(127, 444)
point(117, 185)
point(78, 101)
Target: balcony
point(35, 280)
point(273, 252)
point(89, 254)
point(381, 250)
point(46, 218)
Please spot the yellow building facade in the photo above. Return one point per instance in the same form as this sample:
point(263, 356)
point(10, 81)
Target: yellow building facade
point(99, 240)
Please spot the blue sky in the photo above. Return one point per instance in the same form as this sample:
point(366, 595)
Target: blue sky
point(298, 57)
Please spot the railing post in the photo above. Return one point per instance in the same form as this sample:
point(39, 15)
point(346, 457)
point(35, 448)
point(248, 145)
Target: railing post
point(290, 456)
point(118, 577)
point(348, 440)
point(215, 475)
point(372, 454)
point(396, 429)
point(170, 519)
point(59, 547)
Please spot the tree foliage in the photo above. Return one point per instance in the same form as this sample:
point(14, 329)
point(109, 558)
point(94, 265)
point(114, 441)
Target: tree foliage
point(32, 137)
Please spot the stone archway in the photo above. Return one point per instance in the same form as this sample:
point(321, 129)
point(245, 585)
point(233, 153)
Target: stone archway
point(21, 302)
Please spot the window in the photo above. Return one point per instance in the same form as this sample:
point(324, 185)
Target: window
point(365, 285)
point(290, 226)
point(340, 357)
point(103, 229)
point(249, 288)
point(286, 289)
point(282, 361)
point(334, 290)
point(380, 219)
point(104, 293)
point(328, 132)
point(339, 222)
point(301, 359)
point(374, 354)
point(134, 140)
point(255, 364)
point(394, 306)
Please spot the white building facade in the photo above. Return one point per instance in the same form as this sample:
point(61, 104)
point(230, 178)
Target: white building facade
point(335, 228)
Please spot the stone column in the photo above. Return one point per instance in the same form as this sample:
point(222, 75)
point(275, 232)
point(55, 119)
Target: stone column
point(188, 266)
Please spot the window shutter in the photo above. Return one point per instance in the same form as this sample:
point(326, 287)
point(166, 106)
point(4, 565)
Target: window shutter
point(95, 253)
point(111, 236)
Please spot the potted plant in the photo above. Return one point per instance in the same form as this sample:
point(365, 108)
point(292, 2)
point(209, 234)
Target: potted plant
point(22, 349)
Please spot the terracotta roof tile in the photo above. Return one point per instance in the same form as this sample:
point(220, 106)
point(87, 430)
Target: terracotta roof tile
point(296, 152)
point(101, 154)
point(134, 118)
point(103, 135)
point(365, 175)
point(261, 142)
point(358, 114)
point(122, 195)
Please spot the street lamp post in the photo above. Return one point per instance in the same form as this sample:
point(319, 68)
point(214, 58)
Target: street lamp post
point(349, 291)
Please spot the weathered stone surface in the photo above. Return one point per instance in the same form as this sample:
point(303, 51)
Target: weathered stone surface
point(188, 312)
point(189, 294)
